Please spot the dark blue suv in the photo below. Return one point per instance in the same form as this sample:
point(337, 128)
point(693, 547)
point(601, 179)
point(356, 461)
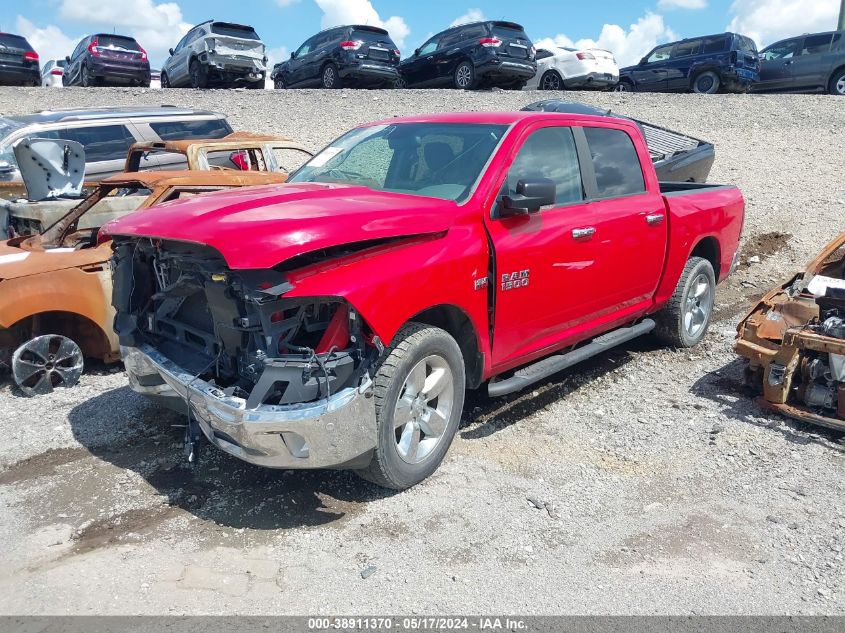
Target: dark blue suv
point(707, 64)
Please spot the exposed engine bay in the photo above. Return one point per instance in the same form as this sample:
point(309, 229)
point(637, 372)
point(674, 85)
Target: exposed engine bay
point(235, 329)
point(794, 341)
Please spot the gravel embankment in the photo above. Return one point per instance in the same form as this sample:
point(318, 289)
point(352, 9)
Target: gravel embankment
point(662, 488)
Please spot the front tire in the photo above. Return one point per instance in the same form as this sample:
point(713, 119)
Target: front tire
point(707, 83)
point(86, 80)
point(624, 86)
point(419, 392)
point(837, 83)
point(464, 78)
point(551, 80)
point(165, 81)
point(278, 84)
point(684, 321)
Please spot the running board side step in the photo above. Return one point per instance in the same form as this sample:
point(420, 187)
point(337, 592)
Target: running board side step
point(553, 364)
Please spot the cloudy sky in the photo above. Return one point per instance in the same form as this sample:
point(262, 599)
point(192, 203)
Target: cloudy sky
point(629, 28)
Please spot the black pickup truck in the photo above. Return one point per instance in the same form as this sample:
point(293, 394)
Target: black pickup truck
point(676, 157)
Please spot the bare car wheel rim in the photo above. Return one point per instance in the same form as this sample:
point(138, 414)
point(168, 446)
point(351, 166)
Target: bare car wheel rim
point(551, 81)
point(45, 362)
point(423, 409)
point(705, 83)
point(697, 306)
point(328, 77)
point(464, 75)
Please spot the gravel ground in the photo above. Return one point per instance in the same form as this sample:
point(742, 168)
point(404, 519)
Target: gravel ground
point(645, 481)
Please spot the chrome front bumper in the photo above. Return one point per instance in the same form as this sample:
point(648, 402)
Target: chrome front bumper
point(331, 432)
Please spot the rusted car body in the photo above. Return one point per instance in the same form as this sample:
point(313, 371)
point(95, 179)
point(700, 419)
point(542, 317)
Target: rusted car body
point(237, 151)
point(59, 282)
point(794, 341)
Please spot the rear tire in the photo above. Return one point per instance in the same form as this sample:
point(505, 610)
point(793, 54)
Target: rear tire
point(419, 396)
point(624, 86)
point(464, 77)
point(199, 75)
point(330, 79)
point(165, 81)
point(278, 84)
point(684, 321)
point(86, 79)
point(551, 80)
point(707, 83)
point(837, 83)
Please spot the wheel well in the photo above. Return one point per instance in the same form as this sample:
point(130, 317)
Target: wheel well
point(88, 335)
point(834, 73)
point(455, 321)
point(708, 248)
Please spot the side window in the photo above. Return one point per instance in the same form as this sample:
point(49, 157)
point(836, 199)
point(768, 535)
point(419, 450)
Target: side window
point(450, 39)
point(472, 32)
point(78, 50)
point(183, 41)
point(715, 45)
point(550, 154)
point(429, 47)
point(685, 49)
point(782, 50)
point(816, 44)
point(180, 130)
point(107, 142)
point(305, 48)
point(615, 161)
point(660, 54)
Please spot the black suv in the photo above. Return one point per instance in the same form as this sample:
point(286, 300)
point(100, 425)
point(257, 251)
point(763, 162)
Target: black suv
point(18, 62)
point(476, 55)
point(808, 63)
point(345, 55)
point(104, 59)
point(707, 64)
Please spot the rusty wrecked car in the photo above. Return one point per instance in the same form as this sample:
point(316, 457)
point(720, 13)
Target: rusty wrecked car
point(55, 287)
point(794, 342)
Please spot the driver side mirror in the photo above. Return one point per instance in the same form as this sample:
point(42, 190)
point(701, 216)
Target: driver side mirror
point(67, 59)
point(530, 197)
point(416, 52)
point(170, 50)
point(293, 54)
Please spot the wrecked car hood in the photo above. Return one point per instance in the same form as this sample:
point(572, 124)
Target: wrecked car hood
point(18, 262)
point(260, 227)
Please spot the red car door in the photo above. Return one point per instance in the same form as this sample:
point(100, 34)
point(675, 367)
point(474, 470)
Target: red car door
point(580, 266)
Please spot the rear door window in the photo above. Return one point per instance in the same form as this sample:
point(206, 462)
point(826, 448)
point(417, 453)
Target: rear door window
point(181, 130)
point(615, 162)
point(549, 154)
point(685, 49)
point(816, 44)
point(715, 45)
point(782, 50)
point(106, 142)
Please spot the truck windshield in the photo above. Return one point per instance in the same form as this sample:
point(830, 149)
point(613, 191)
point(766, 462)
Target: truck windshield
point(438, 160)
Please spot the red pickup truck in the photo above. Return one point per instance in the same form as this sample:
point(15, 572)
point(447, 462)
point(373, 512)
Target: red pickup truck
point(337, 320)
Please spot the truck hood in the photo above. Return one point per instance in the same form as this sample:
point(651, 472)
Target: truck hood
point(260, 227)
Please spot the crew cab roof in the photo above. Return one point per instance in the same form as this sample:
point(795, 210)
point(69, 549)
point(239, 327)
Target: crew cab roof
point(492, 118)
point(85, 114)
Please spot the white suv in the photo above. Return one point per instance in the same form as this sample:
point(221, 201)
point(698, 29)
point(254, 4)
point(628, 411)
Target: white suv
point(106, 133)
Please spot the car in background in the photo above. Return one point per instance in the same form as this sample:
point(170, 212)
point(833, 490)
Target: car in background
point(18, 62)
point(561, 68)
point(105, 133)
point(52, 73)
point(103, 59)
point(475, 55)
point(354, 55)
point(155, 79)
point(218, 54)
point(727, 61)
point(808, 63)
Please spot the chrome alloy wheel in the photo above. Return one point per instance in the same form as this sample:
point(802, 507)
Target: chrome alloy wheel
point(464, 76)
point(551, 81)
point(423, 409)
point(840, 85)
point(328, 76)
point(698, 305)
point(45, 362)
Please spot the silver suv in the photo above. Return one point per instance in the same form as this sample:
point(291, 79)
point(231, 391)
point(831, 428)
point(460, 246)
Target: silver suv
point(216, 54)
point(106, 133)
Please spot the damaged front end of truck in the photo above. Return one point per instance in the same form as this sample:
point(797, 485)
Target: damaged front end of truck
point(794, 341)
point(279, 382)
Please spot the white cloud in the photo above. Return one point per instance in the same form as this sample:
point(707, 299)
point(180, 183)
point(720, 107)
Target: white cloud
point(472, 15)
point(766, 21)
point(50, 42)
point(628, 46)
point(286, 3)
point(682, 4)
point(156, 26)
point(337, 12)
point(276, 55)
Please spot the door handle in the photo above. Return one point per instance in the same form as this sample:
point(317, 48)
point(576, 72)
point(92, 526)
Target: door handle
point(429, 58)
point(788, 63)
point(586, 232)
point(654, 218)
